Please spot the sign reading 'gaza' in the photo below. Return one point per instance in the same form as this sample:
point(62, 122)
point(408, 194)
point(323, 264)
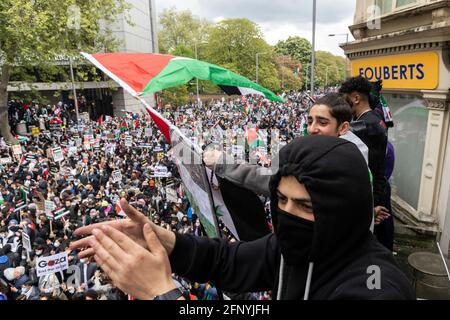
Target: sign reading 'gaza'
point(405, 71)
point(52, 264)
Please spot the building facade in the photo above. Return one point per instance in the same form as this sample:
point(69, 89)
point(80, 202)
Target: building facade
point(141, 36)
point(406, 43)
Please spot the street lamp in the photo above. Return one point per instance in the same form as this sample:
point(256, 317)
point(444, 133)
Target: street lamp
point(257, 64)
point(313, 55)
point(340, 34)
point(196, 58)
point(346, 42)
point(75, 99)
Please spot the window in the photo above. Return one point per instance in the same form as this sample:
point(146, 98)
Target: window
point(408, 137)
point(388, 6)
point(385, 6)
point(401, 3)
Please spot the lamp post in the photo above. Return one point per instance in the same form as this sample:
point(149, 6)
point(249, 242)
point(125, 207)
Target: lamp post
point(257, 64)
point(346, 42)
point(196, 79)
point(74, 24)
point(307, 77)
point(313, 55)
point(75, 99)
point(326, 77)
point(196, 58)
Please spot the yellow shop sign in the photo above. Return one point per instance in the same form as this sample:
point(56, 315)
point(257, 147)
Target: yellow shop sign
point(404, 71)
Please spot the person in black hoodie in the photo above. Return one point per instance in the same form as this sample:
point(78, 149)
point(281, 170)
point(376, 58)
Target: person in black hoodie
point(321, 249)
point(370, 127)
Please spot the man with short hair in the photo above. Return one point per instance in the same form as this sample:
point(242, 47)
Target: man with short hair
point(371, 129)
point(329, 116)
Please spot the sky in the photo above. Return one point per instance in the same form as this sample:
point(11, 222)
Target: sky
point(279, 19)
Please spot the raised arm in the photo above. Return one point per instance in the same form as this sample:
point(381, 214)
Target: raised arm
point(235, 267)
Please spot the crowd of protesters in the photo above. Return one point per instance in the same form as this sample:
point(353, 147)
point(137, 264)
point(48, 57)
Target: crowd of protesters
point(82, 169)
point(104, 160)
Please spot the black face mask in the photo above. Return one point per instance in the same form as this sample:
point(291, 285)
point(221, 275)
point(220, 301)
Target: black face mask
point(295, 236)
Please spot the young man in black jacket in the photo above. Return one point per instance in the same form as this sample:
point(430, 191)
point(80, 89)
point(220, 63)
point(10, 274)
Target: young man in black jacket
point(322, 248)
point(371, 129)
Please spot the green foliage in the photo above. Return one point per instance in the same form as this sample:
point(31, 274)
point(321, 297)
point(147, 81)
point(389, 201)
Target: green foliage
point(287, 72)
point(180, 28)
point(234, 43)
point(299, 49)
point(330, 69)
point(175, 96)
point(34, 32)
point(183, 51)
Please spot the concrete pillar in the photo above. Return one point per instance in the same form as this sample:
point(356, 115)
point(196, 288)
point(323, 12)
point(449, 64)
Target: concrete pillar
point(435, 147)
point(124, 102)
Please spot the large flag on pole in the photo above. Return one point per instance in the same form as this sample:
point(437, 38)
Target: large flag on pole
point(141, 74)
point(145, 74)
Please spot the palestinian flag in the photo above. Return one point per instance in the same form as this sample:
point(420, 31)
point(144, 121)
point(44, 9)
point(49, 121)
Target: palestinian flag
point(254, 139)
point(144, 74)
point(59, 213)
point(124, 126)
point(22, 138)
point(388, 119)
point(119, 210)
point(2, 200)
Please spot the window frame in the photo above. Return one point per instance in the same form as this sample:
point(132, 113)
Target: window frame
point(396, 9)
point(405, 6)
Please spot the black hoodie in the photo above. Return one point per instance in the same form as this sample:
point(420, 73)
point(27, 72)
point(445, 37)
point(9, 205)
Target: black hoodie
point(343, 251)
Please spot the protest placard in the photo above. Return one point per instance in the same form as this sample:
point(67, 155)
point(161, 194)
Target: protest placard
point(35, 131)
point(58, 155)
point(161, 172)
point(52, 264)
point(171, 195)
point(117, 176)
point(17, 149)
point(26, 241)
point(6, 160)
point(49, 206)
point(128, 141)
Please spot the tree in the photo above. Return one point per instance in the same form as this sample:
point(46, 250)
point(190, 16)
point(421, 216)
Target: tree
point(183, 51)
point(299, 49)
point(180, 28)
point(176, 96)
point(37, 33)
point(234, 43)
point(286, 69)
point(330, 69)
